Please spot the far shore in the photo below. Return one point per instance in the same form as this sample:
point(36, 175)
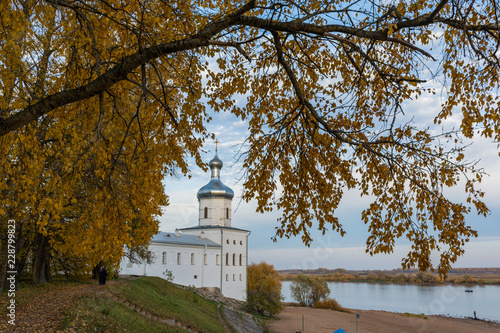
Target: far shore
point(456, 276)
point(445, 283)
point(291, 319)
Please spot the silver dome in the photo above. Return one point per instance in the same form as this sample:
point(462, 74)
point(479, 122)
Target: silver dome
point(216, 163)
point(215, 188)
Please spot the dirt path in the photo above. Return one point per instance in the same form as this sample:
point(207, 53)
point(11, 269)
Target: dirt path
point(326, 321)
point(44, 312)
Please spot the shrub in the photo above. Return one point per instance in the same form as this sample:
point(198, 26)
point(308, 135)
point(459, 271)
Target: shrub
point(307, 290)
point(330, 304)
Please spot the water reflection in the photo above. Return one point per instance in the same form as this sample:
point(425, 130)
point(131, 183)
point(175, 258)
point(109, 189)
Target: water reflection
point(449, 300)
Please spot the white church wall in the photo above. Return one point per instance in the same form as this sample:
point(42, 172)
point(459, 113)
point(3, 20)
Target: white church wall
point(235, 264)
point(186, 272)
point(234, 249)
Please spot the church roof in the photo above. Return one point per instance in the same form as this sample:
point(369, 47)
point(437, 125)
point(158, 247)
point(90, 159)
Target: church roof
point(171, 238)
point(213, 227)
point(215, 188)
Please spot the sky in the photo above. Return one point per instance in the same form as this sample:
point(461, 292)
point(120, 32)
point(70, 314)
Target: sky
point(331, 250)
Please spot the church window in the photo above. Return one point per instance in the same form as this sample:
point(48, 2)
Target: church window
point(227, 259)
point(234, 259)
point(205, 259)
point(129, 265)
point(234, 277)
point(241, 261)
point(227, 241)
point(240, 277)
point(227, 213)
point(164, 258)
point(234, 242)
point(217, 259)
point(195, 277)
point(241, 242)
point(178, 258)
point(227, 277)
point(205, 214)
point(192, 258)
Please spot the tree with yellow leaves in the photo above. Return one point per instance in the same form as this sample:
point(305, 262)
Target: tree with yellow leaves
point(264, 289)
point(102, 99)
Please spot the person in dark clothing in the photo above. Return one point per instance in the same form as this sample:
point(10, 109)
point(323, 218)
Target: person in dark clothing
point(102, 275)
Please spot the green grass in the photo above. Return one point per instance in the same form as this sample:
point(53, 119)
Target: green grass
point(102, 314)
point(163, 299)
point(99, 313)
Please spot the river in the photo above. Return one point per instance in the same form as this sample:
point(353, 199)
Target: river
point(448, 300)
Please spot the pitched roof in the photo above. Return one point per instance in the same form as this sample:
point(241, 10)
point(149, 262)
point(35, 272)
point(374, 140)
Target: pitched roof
point(213, 227)
point(171, 238)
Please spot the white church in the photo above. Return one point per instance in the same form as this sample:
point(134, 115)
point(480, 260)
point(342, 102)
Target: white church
point(211, 254)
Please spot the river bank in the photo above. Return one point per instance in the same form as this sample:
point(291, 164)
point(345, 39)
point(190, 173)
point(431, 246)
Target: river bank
point(327, 321)
point(447, 300)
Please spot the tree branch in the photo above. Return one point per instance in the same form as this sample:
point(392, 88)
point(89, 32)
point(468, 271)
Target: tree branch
point(119, 72)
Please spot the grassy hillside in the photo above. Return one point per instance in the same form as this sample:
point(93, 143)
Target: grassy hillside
point(87, 307)
point(156, 296)
point(101, 314)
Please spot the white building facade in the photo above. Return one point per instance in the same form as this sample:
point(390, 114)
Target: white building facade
point(211, 254)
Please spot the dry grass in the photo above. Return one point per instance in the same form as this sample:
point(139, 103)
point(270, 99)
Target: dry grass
point(330, 304)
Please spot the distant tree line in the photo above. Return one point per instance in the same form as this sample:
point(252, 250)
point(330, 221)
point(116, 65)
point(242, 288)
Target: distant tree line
point(342, 275)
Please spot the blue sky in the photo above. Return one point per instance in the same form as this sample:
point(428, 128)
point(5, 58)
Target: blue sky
point(332, 250)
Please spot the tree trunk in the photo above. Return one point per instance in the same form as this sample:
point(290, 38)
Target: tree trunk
point(41, 260)
point(19, 247)
point(3, 271)
point(5, 257)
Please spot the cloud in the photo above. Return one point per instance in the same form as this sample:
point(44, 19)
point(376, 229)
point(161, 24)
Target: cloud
point(327, 254)
point(347, 252)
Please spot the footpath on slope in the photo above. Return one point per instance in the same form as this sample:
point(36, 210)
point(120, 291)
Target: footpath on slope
point(239, 320)
point(44, 312)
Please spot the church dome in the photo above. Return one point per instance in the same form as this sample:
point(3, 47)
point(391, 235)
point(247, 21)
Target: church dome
point(215, 188)
point(216, 162)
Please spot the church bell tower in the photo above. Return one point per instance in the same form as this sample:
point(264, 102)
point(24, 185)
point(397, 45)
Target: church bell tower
point(215, 198)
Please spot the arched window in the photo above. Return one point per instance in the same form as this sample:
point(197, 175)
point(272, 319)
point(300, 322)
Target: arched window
point(241, 259)
point(164, 259)
point(240, 278)
point(178, 258)
point(234, 259)
point(205, 259)
point(227, 213)
point(234, 277)
point(205, 213)
point(217, 259)
point(227, 277)
point(227, 259)
point(192, 258)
